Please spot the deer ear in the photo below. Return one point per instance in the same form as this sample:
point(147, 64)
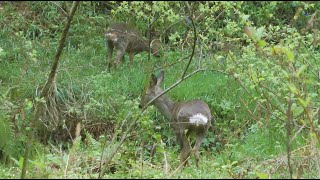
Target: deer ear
point(160, 78)
point(153, 80)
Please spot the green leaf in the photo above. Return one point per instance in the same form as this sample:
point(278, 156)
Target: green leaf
point(249, 31)
point(301, 69)
point(234, 163)
point(245, 17)
point(157, 137)
point(304, 103)
point(259, 33)
point(262, 43)
point(297, 111)
point(290, 55)
point(292, 88)
point(262, 175)
point(21, 162)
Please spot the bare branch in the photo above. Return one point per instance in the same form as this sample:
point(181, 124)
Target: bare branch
point(64, 12)
point(46, 89)
point(194, 44)
point(171, 87)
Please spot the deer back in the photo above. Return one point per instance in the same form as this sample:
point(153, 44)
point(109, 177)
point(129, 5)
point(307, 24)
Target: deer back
point(127, 37)
point(191, 113)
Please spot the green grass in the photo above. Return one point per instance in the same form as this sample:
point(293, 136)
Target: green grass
point(86, 68)
point(82, 73)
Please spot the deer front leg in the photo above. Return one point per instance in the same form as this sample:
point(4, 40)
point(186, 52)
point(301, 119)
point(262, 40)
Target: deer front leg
point(131, 56)
point(120, 54)
point(109, 54)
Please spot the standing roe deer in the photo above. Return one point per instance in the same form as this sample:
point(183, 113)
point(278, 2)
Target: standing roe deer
point(193, 116)
point(126, 38)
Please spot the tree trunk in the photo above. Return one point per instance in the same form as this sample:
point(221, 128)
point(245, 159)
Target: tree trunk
point(47, 90)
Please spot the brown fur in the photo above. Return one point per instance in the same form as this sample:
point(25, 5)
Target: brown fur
point(126, 38)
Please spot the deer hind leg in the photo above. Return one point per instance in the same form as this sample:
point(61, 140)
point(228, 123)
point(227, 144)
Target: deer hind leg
point(109, 54)
point(200, 137)
point(184, 148)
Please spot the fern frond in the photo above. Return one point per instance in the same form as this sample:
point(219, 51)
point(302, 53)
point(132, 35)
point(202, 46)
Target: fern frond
point(6, 135)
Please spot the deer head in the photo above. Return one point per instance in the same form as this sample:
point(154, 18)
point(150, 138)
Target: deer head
point(152, 90)
point(155, 47)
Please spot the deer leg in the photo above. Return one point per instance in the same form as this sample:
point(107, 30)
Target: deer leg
point(121, 45)
point(131, 56)
point(110, 51)
point(183, 142)
point(120, 54)
point(199, 140)
point(185, 149)
point(123, 59)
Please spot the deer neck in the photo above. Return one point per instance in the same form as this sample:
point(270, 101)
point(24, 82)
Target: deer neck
point(138, 46)
point(145, 45)
point(164, 105)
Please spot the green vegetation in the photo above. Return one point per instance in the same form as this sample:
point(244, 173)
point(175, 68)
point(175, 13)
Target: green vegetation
point(261, 80)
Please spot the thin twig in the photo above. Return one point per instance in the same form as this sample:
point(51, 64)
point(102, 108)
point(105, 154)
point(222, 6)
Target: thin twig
point(194, 44)
point(171, 87)
point(166, 167)
point(166, 66)
point(64, 12)
point(179, 166)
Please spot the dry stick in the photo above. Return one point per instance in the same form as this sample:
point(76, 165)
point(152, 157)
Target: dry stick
point(172, 86)
point(295, 135)
point(288, 127)
point(112, 142)
point(149, 60)
point(47, 87)
point(113, 152)
point(179, 167)
point(147, 66)
point(166, 169)
point(248, 110)
point(214, 20)
point(64, 12)
point(165, 66)
point(141, 158)
point(315, 149)
point(194, 43)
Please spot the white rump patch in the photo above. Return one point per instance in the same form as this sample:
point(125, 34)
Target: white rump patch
point(112, 36)
point(198, 119)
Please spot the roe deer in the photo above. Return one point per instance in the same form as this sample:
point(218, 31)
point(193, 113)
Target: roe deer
point(193, 116)
point(126, 38)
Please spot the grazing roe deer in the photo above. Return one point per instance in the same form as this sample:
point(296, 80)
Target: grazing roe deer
point(126, 38)
point(193, 116)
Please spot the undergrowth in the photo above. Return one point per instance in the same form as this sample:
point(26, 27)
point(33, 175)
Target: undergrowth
point(246, 141)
